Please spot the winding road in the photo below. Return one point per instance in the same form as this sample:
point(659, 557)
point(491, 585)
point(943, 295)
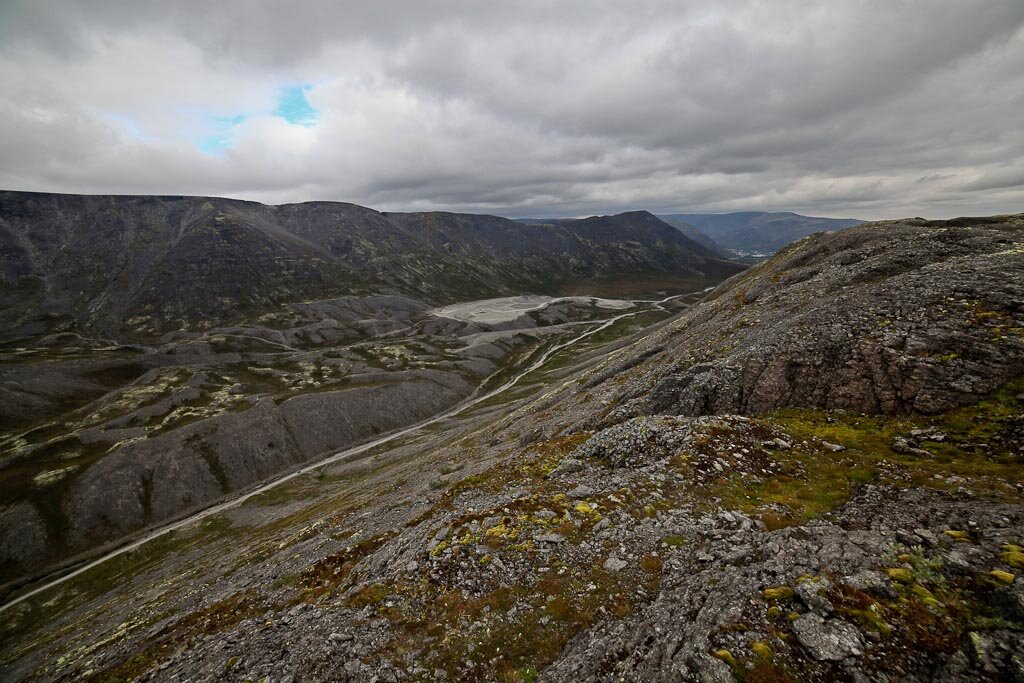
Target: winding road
point(341, 456)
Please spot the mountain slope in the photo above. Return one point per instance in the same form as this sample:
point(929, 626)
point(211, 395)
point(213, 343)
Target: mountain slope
point(863, 520)
point(694, 234)
point(146, 265)
point(759, 231)
point(683, 227)
point(909, 316)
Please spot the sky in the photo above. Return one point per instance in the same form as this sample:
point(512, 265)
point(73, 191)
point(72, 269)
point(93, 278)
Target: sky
point(523, 108)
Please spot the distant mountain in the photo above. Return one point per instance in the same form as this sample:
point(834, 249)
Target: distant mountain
point(144, 265)
point(696, 235)
point(683, 227)
point(758, 231)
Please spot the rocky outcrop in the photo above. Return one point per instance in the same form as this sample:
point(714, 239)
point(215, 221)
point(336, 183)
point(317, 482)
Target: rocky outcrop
point(906, 316)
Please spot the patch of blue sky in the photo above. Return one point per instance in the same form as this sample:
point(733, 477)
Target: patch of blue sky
point(293, 107)
point(223, 135)
point(219, 131)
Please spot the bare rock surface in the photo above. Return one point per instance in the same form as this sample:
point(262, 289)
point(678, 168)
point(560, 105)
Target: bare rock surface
point(906, 316)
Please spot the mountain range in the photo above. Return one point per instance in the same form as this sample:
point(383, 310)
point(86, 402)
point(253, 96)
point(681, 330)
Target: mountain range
point(142, 266)
point(750, 232)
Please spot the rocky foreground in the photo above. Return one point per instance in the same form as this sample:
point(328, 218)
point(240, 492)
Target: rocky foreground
point(815, 475)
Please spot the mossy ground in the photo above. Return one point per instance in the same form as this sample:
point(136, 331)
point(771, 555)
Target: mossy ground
point(979, 452)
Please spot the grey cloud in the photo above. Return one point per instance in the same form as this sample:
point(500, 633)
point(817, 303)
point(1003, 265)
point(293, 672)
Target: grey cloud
point(523, 108)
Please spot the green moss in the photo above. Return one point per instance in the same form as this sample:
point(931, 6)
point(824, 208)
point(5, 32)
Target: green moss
point(778, 593)
point(1001, 577)
point(900, 574)
point(1012, 555)
point(762, 650)
point(371, 595)
point(727, 657)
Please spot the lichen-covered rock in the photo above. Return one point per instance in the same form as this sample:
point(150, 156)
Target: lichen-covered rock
point(637, 442)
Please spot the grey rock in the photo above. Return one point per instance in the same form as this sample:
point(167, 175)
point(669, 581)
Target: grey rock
point(871, 582)
point(814, 594)
point(614, 564)
point(827, 639)
point(568, 465)
point(581, 491)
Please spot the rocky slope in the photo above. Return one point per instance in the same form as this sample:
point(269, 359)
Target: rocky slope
point(813, 475)
point(749, 232)
point(141, 266)
point(885, 318)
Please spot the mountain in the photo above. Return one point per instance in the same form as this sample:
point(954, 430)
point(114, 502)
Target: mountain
point(696, 235)
point(683, 227)
point(812, 474)
point(142, 266)
point(749, 232)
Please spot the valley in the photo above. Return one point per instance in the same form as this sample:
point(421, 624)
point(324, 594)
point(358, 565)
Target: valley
point(208, 399)
point(815, 462)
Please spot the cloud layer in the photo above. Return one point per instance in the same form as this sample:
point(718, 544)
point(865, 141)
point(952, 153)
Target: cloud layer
point(523, 108)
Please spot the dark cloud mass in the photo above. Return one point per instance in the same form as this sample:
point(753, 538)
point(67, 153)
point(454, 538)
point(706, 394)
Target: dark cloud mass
point(869, 109)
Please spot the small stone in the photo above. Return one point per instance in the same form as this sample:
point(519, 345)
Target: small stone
point(908, 538)
point(834, 447)
point(871, 582)
point(550, 538)
point(813, 594)
point(827, 639)
point(581, 491)
point(567, 466)
point(614, 564)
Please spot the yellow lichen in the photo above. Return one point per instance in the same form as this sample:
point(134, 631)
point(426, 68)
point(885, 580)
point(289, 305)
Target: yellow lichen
point(961, 536)
point(1013, 556)
point(726, 657)
point(762, 649)
point(900, 574)
point(778, 593)
point(999, 576)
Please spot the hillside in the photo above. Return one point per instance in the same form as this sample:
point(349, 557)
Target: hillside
point(813, 474)
point(683, 227)
point(751, 232)
point(143, 266)
point(694, 234)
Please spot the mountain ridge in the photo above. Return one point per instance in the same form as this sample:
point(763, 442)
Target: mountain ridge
point(751, 232)
point(138, 265)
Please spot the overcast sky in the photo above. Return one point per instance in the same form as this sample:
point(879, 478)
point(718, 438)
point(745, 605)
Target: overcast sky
point(523, 108)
